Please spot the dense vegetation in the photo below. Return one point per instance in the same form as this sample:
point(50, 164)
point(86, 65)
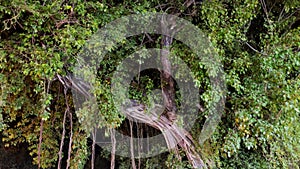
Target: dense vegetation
point(258, 42)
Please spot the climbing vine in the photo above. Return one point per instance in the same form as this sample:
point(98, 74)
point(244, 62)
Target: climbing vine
point(258, 42)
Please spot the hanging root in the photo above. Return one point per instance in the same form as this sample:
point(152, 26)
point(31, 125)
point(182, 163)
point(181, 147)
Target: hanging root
point(173, 134)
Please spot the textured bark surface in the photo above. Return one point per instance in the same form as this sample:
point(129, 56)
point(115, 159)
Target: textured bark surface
point(167, 85)
point(175, 136)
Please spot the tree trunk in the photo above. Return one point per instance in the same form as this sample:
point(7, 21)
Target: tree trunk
point(167, 83)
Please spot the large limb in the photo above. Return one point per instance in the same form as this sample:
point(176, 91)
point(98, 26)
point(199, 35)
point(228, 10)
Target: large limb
point(167, 83)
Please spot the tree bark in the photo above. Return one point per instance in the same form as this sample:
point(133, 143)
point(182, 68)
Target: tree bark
point(167, 83)
point(93, 148)
point(113, 149)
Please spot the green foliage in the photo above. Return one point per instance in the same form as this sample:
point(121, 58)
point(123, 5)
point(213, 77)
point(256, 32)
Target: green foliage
point(257, 41)
point(261, 58)
point(38, 39)
point(174, 163)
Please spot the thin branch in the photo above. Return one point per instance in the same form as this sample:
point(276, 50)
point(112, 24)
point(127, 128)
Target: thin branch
point(64, 127)
point(59, 24)
point(264, 6)
point(113, 148)
point(140, 143)
point(132, 146)
point(40, 143)
point(255, 49)
point(188, 3)
point(62, 141)
point(71, 134)
point(160, 6)
point(290, 15)
point(78, 86)
point(41, 127)
point(93, 148)
point(281, 14)
point(278, 114)
point(149, 37)
point(69, 20)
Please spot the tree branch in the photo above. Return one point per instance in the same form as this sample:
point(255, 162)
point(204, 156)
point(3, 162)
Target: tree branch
point(132, 146)
point(93, 148)
point(71, 133)
point(62, 141)
point(113, 149)
point(40, 143)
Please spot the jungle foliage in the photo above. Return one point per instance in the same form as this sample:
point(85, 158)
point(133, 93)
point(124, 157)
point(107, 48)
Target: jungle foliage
point(258, 42)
